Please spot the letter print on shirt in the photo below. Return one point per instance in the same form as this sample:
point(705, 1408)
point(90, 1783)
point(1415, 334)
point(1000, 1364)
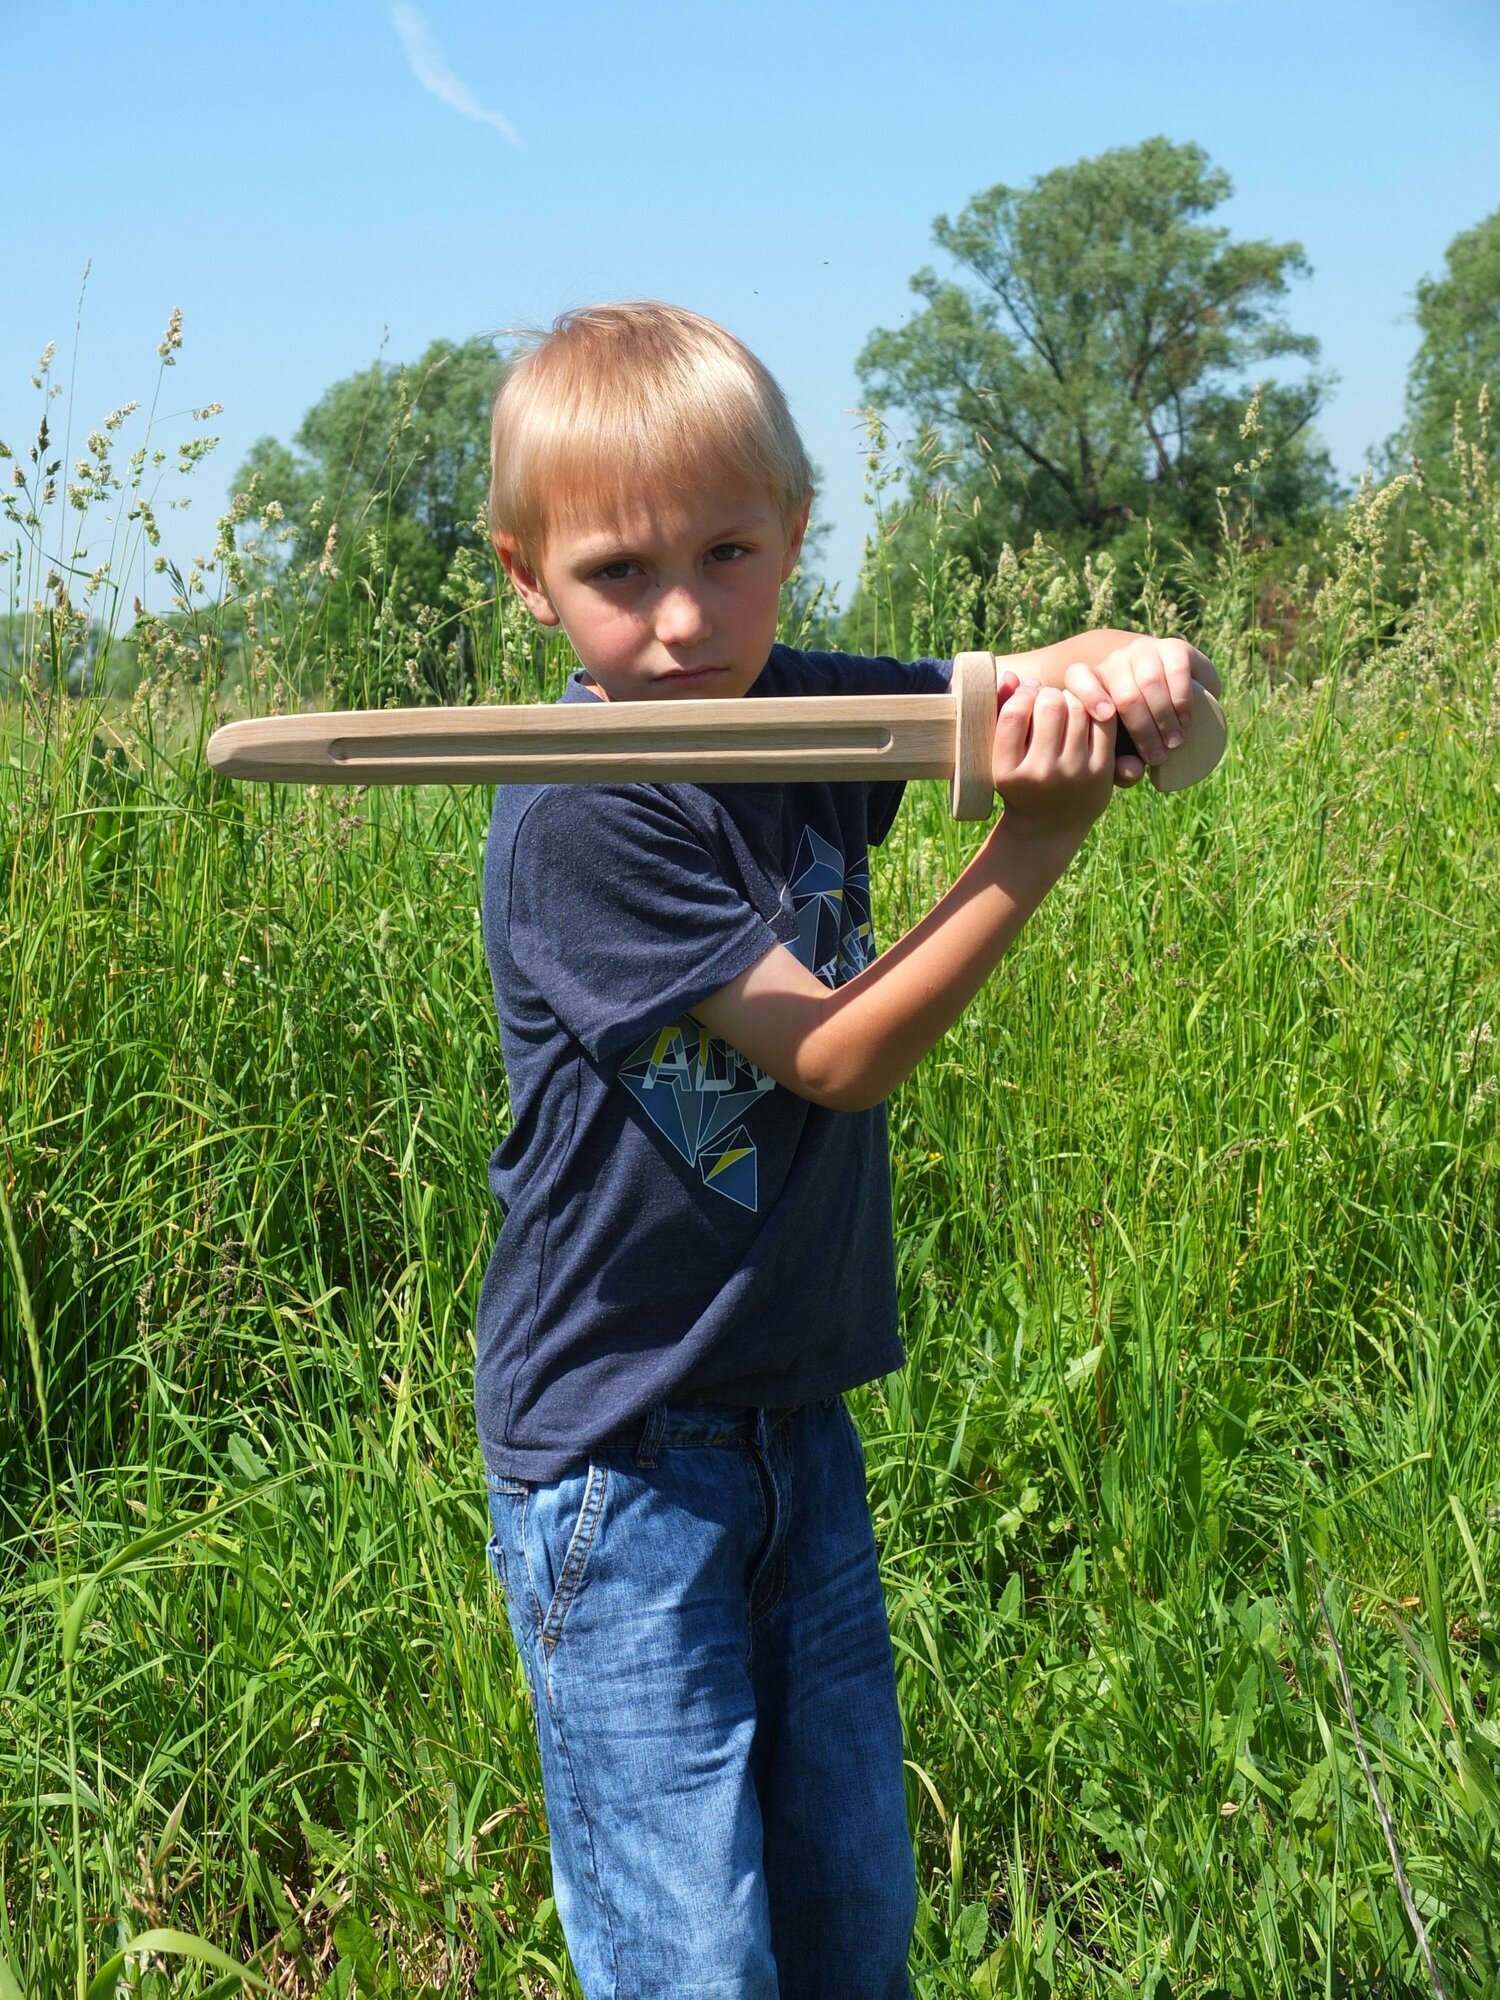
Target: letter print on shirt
point(696, 1089)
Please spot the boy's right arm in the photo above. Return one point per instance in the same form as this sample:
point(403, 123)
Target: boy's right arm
point(849, 1047)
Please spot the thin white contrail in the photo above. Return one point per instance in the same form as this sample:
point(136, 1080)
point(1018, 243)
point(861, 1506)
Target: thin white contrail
point(430, 70)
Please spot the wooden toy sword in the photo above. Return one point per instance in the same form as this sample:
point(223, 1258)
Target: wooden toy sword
point(781, 739)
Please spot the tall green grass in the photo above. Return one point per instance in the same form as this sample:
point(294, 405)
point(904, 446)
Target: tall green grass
point(1196, 1219)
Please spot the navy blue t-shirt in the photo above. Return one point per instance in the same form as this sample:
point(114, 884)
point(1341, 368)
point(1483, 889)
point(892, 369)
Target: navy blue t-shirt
point(678, 1228)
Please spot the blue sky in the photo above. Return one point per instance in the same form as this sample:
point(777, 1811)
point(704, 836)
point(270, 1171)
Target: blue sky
point(285, 174)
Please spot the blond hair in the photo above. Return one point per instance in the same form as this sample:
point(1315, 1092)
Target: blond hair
point(613, 398)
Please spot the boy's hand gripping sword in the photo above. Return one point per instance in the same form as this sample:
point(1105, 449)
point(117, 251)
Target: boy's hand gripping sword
point(779, 740)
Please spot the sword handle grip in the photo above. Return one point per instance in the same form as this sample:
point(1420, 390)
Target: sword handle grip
point(971, 795)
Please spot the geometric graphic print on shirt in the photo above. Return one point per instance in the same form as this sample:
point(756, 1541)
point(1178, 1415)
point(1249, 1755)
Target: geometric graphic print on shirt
point(697, 1090)
point(834, 936)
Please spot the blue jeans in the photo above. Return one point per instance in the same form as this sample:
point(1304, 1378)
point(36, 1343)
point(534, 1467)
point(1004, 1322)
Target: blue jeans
point(700, 1617)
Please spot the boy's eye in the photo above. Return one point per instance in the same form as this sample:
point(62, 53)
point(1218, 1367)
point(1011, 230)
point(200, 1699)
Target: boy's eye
point(614, 572)
point(727, 551)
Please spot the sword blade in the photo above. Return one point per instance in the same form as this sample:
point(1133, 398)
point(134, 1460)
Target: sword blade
point(814, 738)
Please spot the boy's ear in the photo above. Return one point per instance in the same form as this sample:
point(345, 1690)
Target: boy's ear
point(527, 580)
point(796, 529)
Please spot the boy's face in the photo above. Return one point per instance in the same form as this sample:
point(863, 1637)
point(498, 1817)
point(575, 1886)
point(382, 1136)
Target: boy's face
point(676, 599)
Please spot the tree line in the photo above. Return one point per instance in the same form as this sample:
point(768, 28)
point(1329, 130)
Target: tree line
point(1099, 361)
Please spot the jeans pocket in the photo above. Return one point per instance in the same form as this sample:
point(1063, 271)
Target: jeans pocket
point(557, 1526)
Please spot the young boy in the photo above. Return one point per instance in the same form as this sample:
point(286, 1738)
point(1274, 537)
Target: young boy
point(696, 1259)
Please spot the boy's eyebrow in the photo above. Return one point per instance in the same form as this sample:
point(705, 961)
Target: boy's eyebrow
point(614, 547)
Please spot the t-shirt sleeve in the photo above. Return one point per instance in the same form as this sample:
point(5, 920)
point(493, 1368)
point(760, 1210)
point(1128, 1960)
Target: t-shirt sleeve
point(622, 915)
point(857, 673)
point(886, 676)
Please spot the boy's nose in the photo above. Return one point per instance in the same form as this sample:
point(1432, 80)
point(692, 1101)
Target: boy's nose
point(681, 618)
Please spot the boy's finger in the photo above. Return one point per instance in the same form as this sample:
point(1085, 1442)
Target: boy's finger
point(1101, 749)
point(1154, 678)
point(1129, 771)
point(1079, 728)
point(1177, 660)
point(1145, 733)
point(1049, 723)
point(1006, 685)
point(1020, 700)
point(1149, 713)
point(1081, 679)
point(1013, 723)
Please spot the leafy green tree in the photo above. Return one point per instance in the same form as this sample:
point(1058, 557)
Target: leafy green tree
point(384, 485)
point(1091, 365)
point(403, 450)
point(1459, 315)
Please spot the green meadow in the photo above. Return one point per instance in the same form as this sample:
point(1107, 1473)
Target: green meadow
point(1188, 1496)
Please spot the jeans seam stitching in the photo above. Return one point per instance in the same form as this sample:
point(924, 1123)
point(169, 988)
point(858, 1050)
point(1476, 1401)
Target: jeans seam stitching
point(597, 1880)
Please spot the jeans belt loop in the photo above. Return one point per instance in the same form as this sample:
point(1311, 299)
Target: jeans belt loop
point(651, 1434)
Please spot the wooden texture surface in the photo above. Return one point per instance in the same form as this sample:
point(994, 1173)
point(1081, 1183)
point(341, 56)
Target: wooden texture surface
point(1203, 744)
point(813, 738)
point(971, 790)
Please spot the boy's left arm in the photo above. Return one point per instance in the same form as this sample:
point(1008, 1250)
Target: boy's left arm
point(1146, 681)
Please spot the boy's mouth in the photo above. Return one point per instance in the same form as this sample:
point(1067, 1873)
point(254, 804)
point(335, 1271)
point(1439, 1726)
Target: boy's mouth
point(691, 676)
